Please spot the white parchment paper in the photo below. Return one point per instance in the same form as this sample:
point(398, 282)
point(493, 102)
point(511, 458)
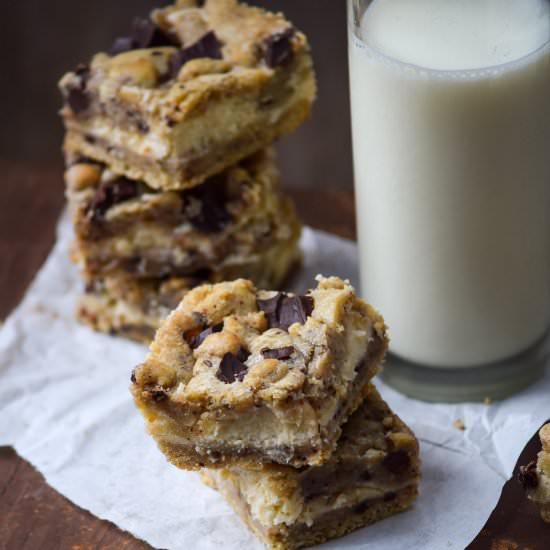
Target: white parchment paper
point(65, 407)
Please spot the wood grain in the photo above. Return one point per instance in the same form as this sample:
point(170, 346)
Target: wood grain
point(33, 516)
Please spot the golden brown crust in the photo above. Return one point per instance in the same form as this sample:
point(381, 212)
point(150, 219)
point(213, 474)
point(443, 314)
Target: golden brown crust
point(289, 410)
point(331, 527)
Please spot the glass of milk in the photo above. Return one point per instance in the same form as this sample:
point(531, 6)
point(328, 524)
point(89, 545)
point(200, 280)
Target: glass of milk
point(451, 137)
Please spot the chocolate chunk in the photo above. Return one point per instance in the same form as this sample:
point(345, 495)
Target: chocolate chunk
point(197, 340)
point(365, 476)
point(158, 395)
point(277, 48)
point(145, 34)
point(270, 307)
point(278, 353)
point(397, 462)
point(142, 126)
point(294, 309)
point(122, 44)
point(207, 45)
point(78, 100)
point(362, 507)
point(242, 354)
point(199, 277)
point(82, 159)
point(76, 96)
point(388, 497)
point(528, 476)
point(282, 310)
point(83, 71)
point(113, 193)
point(232, 367)
point(212, 216)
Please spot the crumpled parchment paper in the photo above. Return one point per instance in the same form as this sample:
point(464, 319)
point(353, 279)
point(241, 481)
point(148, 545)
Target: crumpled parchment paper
point(65, 407)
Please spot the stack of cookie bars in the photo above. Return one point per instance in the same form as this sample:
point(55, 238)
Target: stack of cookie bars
point(171, 180)
point(270, 395)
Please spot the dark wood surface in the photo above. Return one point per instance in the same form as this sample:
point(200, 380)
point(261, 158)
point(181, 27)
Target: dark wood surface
point(33, 516)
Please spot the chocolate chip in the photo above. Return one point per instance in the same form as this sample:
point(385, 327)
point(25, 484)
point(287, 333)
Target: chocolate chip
point(112, 193)
point(388, 497)
point(270, 307)
point(212, 216)
point(207, 45)
point(199, 277)
point(282, 310)
point(133, 377)
point(242, 354)
point(145, 34)
point(362, 507)
point(277, 48)
point(397, 462)
point(82, 159)
point(365, 476)
point(122, 44)
point(142, 126)
point(197, 340)
point(76, 96)
point(294, 309)
point(278, 353)
point(78, 100)
point(158, 395)
point(528, 476)
point(232, 367)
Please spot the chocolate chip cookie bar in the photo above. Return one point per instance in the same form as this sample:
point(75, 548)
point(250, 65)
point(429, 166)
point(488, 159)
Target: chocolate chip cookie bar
point(190, 92)
point(535, 477)
point(373, 474)
point(124, 305)
point(229, 221)
point(238, 375)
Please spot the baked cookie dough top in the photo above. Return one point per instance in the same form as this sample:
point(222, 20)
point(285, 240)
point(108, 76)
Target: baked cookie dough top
point(170, 65)
point(230, 345)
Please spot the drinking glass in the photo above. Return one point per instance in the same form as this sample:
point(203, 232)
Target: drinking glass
point(451, 141)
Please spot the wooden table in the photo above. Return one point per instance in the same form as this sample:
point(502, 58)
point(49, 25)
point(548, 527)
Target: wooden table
point(33, 516)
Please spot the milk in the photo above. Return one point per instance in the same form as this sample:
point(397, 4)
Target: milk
point(451, 136)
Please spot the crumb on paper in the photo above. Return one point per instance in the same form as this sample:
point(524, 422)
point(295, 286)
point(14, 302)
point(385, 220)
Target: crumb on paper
point(487, 401)
point(459, 424)
point(43, 310)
